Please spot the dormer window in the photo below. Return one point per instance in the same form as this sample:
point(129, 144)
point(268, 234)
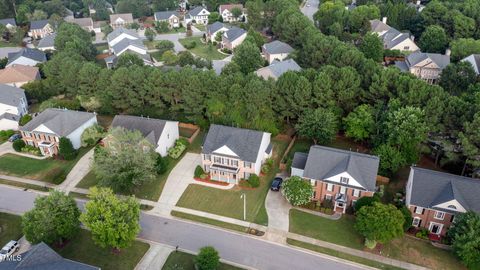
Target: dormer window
point(344, 180)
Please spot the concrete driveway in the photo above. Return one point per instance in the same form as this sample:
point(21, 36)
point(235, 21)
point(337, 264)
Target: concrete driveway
point(278, 209)
point(178, 47)
point(310, 8)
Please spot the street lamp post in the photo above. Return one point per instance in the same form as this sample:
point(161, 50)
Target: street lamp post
point(244, 197)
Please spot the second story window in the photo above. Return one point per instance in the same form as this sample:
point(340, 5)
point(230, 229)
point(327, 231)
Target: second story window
point(439, 215)
point(329, 187)
point(207, 157)
point(344, 180)
point(234, 163)
point(248, 164)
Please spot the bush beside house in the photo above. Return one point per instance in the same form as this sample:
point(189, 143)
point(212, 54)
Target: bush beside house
point(66, 150)
point(176, 151)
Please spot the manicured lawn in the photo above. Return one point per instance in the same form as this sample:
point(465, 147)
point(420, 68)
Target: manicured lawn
point(201, 27)
point(213, 222)
point(342, 255)
point(48, 170)
point(340, 231)
point(10, 228)
point(186, 261)
point(82, 248)
point(206, 51)
point(228, 202)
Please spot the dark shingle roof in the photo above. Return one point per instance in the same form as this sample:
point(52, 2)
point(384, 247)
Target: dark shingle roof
point(8, 21)
point(299, 160)
point(165, 15)
point(61, 121)
point(38, 24)
point(324, 162)
point(245, 143)
point(42, 257)
point(214, 27)
point(440, 60)
point(277, 46)
point(278, 68)
point(196, 11)
point(234, 33)
point(33, 54)
point(150, 128)
point(11, 95)
point(430, 188)
point(117, 32)
point(125, 43)
point(47, 41)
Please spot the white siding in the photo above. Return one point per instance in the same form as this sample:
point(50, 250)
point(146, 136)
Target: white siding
point(409, 188)
point(351, 180)
point(168, 137)
point(6, 124)
point(261, 152)
point(278, 56)
point(297, 172)
point(24, 61)
point(75, 136)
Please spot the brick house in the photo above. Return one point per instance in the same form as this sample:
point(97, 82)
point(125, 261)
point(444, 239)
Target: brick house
point(434, 198)
point(233, 38)
point(39, 29)
point(45, 130)
point(337, 175)
point(230, 154)
point(226, 12)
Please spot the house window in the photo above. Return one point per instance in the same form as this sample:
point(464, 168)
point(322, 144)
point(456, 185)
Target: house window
point(313, 182)
point(329, 187)
point(217, 160)
point(439, 215)
point(328, 197)
point(248, 164)
point(343, 190)
point(344, 180)
point(419, 210)
point(168, 136)
point(356, 193)
point(207, 157)
point(234, 163)
point(406, 48)
point(416, 222)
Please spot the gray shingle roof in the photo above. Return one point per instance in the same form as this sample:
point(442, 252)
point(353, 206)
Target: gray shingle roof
point(42, 257)
point(378, 26)
point(33, 54)
point(10, 116)
point(61, 122)
point(278, 68)
point(430, 188)
point(11, 95)
point(165, 15)
point(117, 32)
point(476, 61)
point(8, 21)
point(124, 43)
point(324, 162)
point(234, 33)
point(299, 160)
point(276, 47)
point(440, 60)
point(47, 41)
point(196, 11)
point(150, 128)
point(38, 24)
point(214, 27)
point(243, 142)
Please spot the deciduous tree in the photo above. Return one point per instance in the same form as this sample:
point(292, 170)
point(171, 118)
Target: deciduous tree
point(320, 125)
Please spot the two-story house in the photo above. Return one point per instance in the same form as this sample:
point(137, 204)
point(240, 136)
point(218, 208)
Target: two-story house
point(198, 15)
point(392, 38)
point(434, 198)
point(13, 105)
point(337, 175)
point(230, 154)
point(121, 20)
point(26, 57)
point(227, 15)
point(215, 28)
point(276, 50)
point(233, 38)
point(426, 66)
point(161, 134)
point(277, 69)
point(45, 130)
point(86, 23)
point(122, 40)
point(172, 17)
point(39, 29)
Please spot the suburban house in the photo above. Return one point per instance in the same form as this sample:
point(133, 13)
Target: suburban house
point(226, 12)
point(18, 75)
point(160, 133)
point(426, 66)
point(121, 20)
point(85, 23)
point(123, 40)
point(13, 105)
point(9, 23)
point(42, 257)
point(392, 38)
point(215, 28)
point(230, 154)
point(473, 59)
point(233, 37)
point(47, 43)
point(172, 17)
point(337, 175)
point(276, 50)
point(39, 29)
point(198, 15)
point(45, 130)
point(277, 68)
point(26, 57)
point(434, 198)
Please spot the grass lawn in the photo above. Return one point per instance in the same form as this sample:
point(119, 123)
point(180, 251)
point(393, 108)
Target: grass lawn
point(157, 55)
point(342, 255)
point(206, 51)
point(228, 202)
point(186, 261)
point(82, 248)
point(201, 27)
point(174, 31)
point(48, 170)
point(10, 228)
point(340, 231)
point(213, 222)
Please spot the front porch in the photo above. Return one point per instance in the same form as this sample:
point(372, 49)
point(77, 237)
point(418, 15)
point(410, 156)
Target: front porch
point(47, 148)
point(341, 203)
point(224, 173)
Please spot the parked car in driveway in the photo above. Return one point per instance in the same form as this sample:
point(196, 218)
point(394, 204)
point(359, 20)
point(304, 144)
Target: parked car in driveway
point(14, 137)
point(276, 184)
point(9, 249)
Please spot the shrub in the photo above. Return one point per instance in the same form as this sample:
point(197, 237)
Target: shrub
point(5, 134)
point(254, 180)
point(176, 151)
point(31, 150)
point(190, 45)
point(364, 201)
point(207, 259)
point(422, 234)
point(164, 45)
point(66, 149)
point(371, 244)
point(162, 165)
point(18, 145)
point(92, 135)
point(198, 172)
point(407, 216)
point(25, 119)
point(265, 168)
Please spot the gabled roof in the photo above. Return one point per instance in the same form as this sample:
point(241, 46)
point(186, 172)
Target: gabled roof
point(150, 128)
point(48, 41)
point(117, 32)
point(475, 61)
point(61, 121)
point(214, 27)
point(278, 68)
point(299, 160)
point(42, 257)
point(430, 188)
point(378, 26)
point(196, 11)
point(276, 47)
point(38, 24)
point(11, 95)
point(18, 73)
point(83, 22)
point(245, 143)
point(125, 43)
point(234, 33)
point(165, 15)
point(127, 17)
point(394, 37)
point(33, 54)
point(324, 162)
point(229, 7)
point(7, 21)
point(440, 60)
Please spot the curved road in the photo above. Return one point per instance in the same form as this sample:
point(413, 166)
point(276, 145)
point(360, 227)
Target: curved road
point(238, 248)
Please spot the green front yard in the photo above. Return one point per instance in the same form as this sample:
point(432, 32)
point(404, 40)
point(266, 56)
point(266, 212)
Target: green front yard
point(47, 170)
point(82, 248)
point(228, 202)
point(203, 50)
point(186, 261)
point(10, 228)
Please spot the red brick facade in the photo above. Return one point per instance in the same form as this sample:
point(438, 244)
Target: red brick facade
point(426, 219)
point(321, 193)
point(35, 138)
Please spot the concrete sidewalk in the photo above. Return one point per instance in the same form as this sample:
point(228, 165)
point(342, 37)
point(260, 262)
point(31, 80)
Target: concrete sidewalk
point(78, 172)
point(155, 257)
point(7, 148)
point(27, 181)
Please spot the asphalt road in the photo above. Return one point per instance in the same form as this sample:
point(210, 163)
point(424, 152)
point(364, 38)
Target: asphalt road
point(239, 248)
point(310, 7)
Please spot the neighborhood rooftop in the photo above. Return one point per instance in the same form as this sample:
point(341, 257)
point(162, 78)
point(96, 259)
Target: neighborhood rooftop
point(276, 47)
point(214, 27)
point(128, 17)
point(18, 73)
point(278, 68)
point(234, 33)
point(117, 32)
point(440, 60)
point(150, 128)
point(34, 54)
point(165, 15)
point(48, 41)
point(196, 11)
point(38, 24)
point(10, 95)
point(125, 43)
point(10, 21)
point(229, 7)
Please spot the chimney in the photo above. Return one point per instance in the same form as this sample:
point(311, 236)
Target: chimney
point(419, 2)
point(384, 20)
point(412, 37)
point(448, 52)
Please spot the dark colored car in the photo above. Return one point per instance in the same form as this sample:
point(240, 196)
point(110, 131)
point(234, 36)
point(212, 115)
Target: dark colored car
point(14, 137)
point(276, 184)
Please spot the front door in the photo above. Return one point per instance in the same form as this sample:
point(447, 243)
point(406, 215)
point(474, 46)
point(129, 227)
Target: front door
point(435, 228)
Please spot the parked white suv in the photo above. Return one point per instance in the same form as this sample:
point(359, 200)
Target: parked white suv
point(9, 249)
